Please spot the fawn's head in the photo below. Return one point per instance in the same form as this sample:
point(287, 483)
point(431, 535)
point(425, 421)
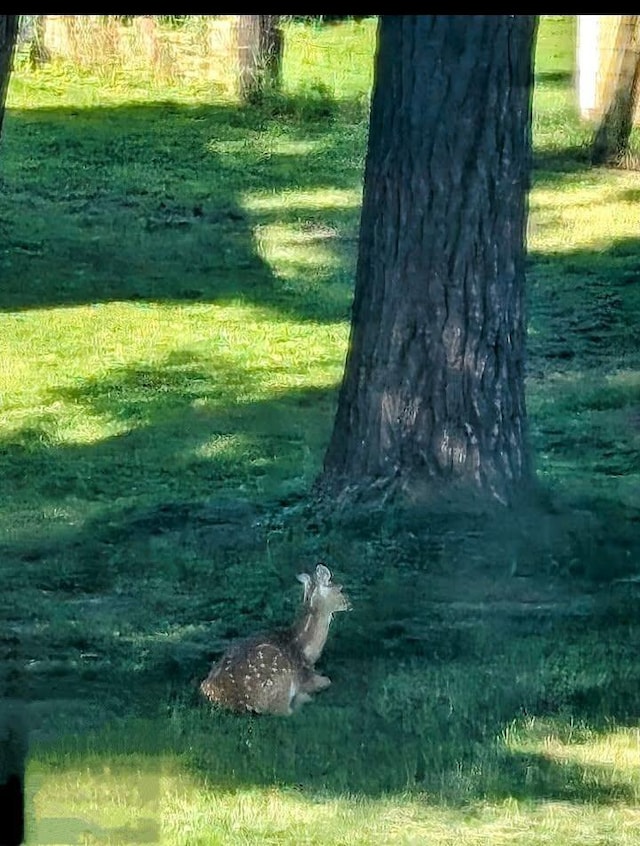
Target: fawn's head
point(321, 595)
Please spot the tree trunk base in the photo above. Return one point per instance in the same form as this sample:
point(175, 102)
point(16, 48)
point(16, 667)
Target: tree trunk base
point(455, 533)
point(408, 492)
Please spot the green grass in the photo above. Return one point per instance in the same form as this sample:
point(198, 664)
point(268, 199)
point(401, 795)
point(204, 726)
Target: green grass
point(176, 282)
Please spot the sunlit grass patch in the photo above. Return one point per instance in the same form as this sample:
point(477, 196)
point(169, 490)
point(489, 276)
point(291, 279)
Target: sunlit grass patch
point(310, 244)
point(590, 212)
point(101, 373)
point(568, 742)
point(113, 795)
point(337, 60)
point(112, 800)
point(322, 200)
point(591, 766)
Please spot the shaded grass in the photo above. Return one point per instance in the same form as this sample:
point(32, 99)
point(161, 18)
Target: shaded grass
point(266, 815)
point(168, 383)
point(534, 779)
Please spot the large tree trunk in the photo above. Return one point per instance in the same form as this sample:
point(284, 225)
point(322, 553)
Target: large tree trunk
point(259, 43)
point(611, 139)
point(8, 34)
point(432, 402)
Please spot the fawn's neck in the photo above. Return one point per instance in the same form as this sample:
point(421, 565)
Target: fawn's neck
point(310, 633)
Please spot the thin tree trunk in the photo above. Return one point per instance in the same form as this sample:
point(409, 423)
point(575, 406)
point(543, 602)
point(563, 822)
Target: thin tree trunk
point(611, 140)
point(432, 400)
point(259, 43)
point(8, 34)
point(38, 53)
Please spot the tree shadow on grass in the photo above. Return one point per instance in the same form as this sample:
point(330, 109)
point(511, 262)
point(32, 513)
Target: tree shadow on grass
point(350, 741)
point(408, 722)
point(153, 202)
point(584, 305)
point(190, 423)
point(561, 78)
point(553, 167)
point(538, 777)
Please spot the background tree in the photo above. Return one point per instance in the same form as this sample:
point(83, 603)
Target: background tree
point(611, 138)
point(8, 34)
point(432, 401)
point(259, 44)
point(38, 53)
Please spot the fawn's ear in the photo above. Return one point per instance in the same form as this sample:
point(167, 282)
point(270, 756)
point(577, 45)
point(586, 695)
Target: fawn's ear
point(323, 575)
point(307, 581)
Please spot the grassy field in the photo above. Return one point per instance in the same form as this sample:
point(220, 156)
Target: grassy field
point(176, 277)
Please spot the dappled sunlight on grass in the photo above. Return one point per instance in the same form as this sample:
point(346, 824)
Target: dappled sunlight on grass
point(309, 243)
point(305, 258)
point(123, 400)
point(616, 752)
point(132, 795)
point(312, 64)
point(322, 199)
point(113, 799)
point(219, 445)
point(120, 360)
point(591, 213)
point(282, 146)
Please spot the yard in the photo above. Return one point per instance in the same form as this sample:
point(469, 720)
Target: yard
point(174, 311)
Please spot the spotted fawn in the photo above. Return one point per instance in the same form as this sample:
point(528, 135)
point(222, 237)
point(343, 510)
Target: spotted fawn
point(274, 672)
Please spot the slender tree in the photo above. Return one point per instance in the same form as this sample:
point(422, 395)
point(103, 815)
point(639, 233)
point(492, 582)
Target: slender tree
point(8, 34)
point(432, 402)
point(611, 138)
point(38, 53)
point(259, 44)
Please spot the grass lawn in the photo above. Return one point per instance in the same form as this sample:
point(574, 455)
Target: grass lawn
point(175, 283)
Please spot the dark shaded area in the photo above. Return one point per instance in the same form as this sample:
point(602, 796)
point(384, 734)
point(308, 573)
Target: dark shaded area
point(11, 811)
point(444, 688)
point(134, 204)
point(559, 78)
point(552, 165)
point(583, 308)
point(13, 750)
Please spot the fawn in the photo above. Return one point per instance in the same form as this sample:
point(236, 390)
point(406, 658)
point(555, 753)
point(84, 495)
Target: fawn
point(273, 672)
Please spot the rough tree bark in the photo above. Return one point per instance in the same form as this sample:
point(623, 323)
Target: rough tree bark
point(432, 402)
point(8, 34)
point(611, 139)
point(259, 44)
